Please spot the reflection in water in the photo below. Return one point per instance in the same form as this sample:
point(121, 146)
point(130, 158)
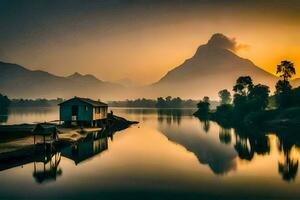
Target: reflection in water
point(47, 169)
point(220, 158)
point(287, 167)
point(206, 125)
point(225, 135)
point(92, 145)
point(169, 151)
point(3, 116)
point(248, 143)
point(172, 116)
point(46, 160)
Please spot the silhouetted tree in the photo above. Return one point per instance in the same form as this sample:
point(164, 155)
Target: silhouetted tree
point(285, 70)
point(4, 102)
point(248, 97)
point(258, 97)
point(225, 96)
point(243, 85)
point(203, 107)
point(242, 89)
point(161, 103)
point(223, 115)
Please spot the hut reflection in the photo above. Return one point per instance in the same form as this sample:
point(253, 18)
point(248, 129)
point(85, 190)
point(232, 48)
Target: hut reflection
point(92, 145)
point(47, 169)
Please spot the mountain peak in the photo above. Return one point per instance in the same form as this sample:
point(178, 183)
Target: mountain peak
point(76, 74)
point(84, 78)
point(218, 40)
point(218, 45)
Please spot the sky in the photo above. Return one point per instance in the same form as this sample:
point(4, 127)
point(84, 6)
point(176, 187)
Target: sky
point(142, 40)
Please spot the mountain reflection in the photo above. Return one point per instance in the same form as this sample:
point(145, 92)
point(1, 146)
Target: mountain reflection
point(219, 157)
point(221, 153)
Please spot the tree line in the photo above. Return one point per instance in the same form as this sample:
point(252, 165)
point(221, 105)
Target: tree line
point(5, 102)
point(160, 102)
point(249, 98)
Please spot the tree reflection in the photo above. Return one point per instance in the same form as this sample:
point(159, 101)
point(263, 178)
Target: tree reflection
point(247, 143)
point(288, 168)
point(225, 135)
point(3, 115)
point(205, 122)
point(206, 125)
point(170, 115)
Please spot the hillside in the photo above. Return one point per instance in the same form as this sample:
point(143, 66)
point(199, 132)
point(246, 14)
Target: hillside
point(214, 66)
point(18, 82)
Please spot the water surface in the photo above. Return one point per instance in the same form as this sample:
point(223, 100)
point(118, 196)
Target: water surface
point(169, 154)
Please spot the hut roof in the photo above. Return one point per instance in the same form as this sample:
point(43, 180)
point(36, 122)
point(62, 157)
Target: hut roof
point(44, 130)
point(86, 100)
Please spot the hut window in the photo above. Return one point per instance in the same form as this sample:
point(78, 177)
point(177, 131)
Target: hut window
point(98, 110)
point(86, 108)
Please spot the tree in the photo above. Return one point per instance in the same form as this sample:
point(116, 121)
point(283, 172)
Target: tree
point(283, 93)
point(203, 106)
point(243, 85)
point(242, 89)
point(206, 99)
point(225, 96)
point(176, 102)
point(4, 102)
point(160, 102)
point(258, 97)
point(285, 70)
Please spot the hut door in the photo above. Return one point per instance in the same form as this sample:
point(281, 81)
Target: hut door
point(74, 112)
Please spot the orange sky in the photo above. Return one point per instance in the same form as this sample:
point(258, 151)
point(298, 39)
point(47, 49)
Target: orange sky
point(143, 42)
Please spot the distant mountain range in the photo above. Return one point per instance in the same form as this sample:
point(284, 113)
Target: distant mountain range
point(214, 66)
point(19, 82)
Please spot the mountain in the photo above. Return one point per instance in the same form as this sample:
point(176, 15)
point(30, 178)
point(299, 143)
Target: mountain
point(214, 66)
point(295, 82)
point(126, 82)
point(84, 79)
point(18, 82)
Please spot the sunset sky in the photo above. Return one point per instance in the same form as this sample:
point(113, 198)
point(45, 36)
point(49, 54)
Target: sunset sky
point(142, 39)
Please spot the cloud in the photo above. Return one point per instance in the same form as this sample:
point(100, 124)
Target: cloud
point(219, 40)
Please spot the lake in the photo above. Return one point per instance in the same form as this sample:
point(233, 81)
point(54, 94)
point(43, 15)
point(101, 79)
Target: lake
point(169, 154)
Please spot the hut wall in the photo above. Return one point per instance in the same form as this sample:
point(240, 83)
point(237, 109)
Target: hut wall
point(85, 111)
point(99, 113)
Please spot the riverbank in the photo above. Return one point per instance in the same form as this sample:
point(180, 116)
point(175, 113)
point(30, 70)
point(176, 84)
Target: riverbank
point(18, 141)
point(267, 120)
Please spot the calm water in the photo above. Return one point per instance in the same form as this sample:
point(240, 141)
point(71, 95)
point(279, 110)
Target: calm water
point(170, 154)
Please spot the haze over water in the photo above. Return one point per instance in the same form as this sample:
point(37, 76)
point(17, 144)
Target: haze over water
point(169, 153)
